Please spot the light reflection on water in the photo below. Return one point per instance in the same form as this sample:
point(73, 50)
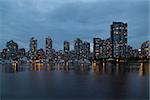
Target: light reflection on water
point(101, 80)
point(97, 67)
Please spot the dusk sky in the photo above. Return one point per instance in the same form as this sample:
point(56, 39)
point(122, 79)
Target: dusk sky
point(69, 19)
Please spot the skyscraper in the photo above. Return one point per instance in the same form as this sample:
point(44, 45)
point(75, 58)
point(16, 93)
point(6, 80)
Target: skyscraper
point(48, 47)
point(85, 50)
point(12, 48)
point(78, 48)
point(102, 48)
point(4, 54)
point(33, 47)
point(66, 46)
point(145, 49)
point(97, 48)
point(21, 53)
point(129, 51)
point(119, 39)
point(108, 48)
point(40, 54)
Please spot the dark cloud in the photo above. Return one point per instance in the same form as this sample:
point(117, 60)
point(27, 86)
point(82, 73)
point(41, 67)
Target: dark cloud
point(68, 19)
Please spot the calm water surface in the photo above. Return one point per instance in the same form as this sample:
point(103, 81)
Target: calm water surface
point(109, 81)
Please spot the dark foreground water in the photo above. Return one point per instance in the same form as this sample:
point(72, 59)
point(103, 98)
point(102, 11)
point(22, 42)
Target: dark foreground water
point(121, 81)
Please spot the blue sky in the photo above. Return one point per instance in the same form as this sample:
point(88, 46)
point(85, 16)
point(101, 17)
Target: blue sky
point(69, 19)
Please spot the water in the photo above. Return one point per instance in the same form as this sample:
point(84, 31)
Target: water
point(119, 81)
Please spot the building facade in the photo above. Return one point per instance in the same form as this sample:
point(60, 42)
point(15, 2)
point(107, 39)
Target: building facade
point(97, 48)
point(129, 51)
point(48, 45)
point(4, 54)
point(33, 47)
point(145, 49)
point(85, 50)
point(40, 54)
point(66, 46)
point(102, 49)
point(78, 48)
point(21, 53)
point(108, 50)
point(119, 39)
point(12, 48)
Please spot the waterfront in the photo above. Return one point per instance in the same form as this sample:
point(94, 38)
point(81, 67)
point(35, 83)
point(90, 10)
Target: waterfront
point(127, 81)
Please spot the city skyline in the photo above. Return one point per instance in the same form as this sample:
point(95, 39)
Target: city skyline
point(71, 44)
point(64, 21)
point(118, 33)
point(74, 49)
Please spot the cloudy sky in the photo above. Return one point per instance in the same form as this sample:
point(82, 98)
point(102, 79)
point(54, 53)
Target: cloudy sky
point(69, 19)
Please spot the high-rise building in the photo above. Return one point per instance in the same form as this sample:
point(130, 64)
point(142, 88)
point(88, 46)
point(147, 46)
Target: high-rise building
point(66, 46)
point(78, 48)
point(108, 50)
point(40, 54)
point(72, 55)
point(21, 53)
point(119, 39)
point(145, 49)
point(129, 51)
point(102, 48)
point(12, 48)
point(48, 47)
point(85, 50)
point(59, 55)
point(97, 48)
point(33, 47)
point(4, 54)
point(135, 53)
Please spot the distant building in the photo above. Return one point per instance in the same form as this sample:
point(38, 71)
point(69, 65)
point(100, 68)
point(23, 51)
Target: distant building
point(97, 48)
point(145, 49)
point(12, 48)
point(66, 46)
point(33, 47)
point(72, 54)
point(119, 39)
point(129, 51)
point(49, 45)
point(21, 53)
point(108, 49)
point(78, 48)
point(102, 48)
point(4, 54)
point(40, 54)
point(135, 53)
point(59, 55)
point(85, 50)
